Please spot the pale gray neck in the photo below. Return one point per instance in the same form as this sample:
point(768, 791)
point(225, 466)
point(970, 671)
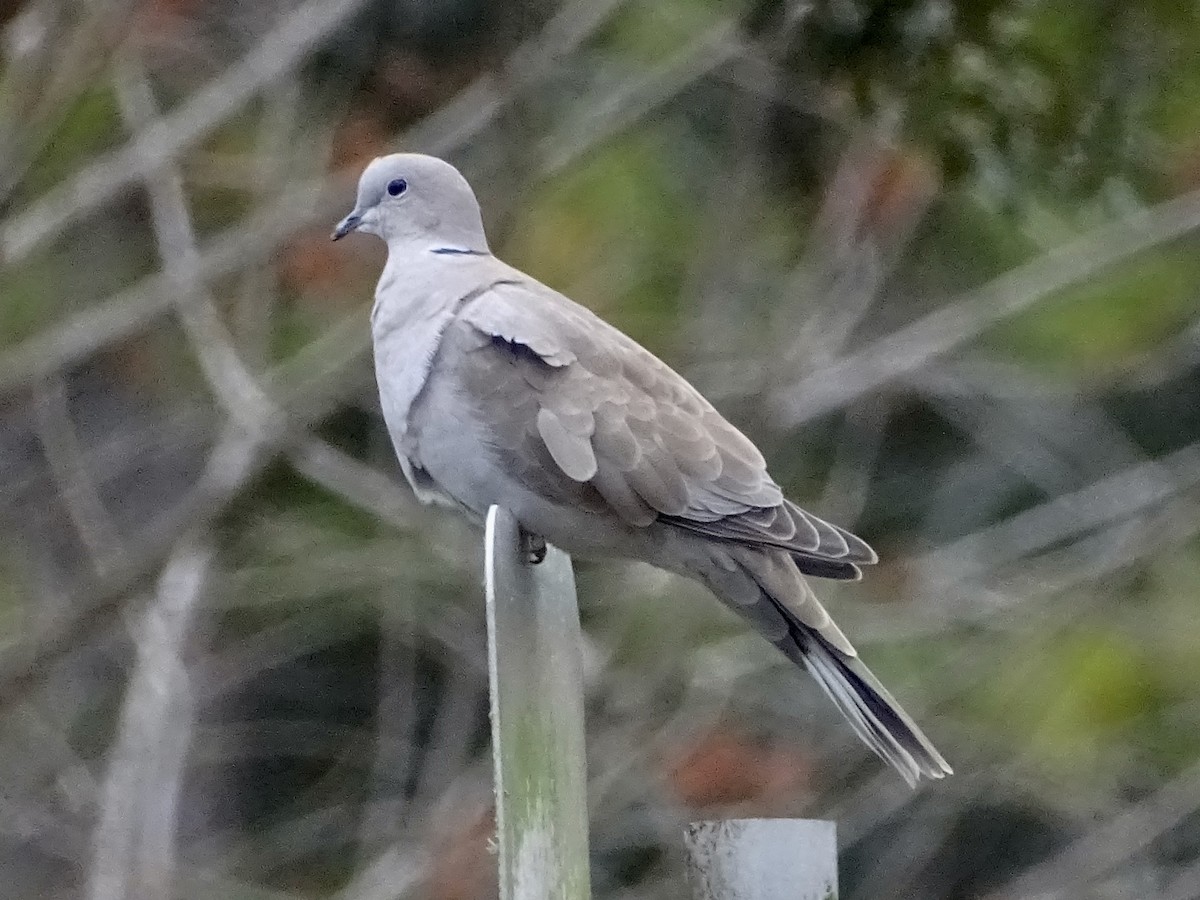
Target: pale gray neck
point(424, 279)
point(456, 225)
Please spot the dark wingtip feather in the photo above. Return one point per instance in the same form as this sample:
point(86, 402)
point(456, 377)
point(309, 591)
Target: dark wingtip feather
point(823, 568)
point(873, 713)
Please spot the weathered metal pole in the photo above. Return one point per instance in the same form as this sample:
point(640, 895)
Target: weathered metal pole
point(537, 719)
point(762, 859)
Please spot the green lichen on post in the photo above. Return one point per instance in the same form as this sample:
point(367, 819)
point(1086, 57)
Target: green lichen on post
point(537, 720)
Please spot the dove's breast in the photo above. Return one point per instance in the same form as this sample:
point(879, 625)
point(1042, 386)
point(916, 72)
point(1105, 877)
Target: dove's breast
point(414, 303)
point(403, 358)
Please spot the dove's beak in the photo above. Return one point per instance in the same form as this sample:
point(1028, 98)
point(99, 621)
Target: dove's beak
point(347, 225)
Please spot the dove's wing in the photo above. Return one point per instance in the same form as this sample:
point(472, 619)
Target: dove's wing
point(591, 417)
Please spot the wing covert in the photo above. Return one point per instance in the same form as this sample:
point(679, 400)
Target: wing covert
point(616, 421)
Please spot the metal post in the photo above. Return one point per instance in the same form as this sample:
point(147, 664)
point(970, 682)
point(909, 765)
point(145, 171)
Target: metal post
point(537, 719)
point(762, 859)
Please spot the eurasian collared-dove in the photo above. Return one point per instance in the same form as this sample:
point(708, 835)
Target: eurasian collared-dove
point(498, 390)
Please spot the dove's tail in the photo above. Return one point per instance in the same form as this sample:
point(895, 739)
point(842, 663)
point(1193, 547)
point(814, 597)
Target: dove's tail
point(873, 713)
point(769, 591)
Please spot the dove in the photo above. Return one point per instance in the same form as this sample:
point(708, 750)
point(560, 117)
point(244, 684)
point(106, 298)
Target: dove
point(496, 389)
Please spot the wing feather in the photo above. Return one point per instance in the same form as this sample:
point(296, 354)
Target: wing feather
point(613, 440)
point(624, 500)
point(615, 420)
point(571, 449)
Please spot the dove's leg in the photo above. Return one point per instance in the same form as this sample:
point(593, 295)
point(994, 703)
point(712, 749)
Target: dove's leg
point(534, 546)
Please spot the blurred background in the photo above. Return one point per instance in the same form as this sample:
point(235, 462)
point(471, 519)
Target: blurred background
point(939, 258)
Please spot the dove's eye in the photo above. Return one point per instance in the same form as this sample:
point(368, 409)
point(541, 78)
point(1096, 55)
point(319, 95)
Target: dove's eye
point(397, 186)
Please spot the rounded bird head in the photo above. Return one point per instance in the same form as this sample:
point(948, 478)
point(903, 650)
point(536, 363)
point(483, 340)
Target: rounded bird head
point(410, 198)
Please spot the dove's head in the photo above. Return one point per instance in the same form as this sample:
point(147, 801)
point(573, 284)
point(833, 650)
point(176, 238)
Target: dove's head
point(413, 200)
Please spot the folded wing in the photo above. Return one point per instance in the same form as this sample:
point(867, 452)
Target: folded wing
point(616, 420)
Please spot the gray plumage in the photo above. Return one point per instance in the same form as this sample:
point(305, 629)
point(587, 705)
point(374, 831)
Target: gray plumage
point(498, 390)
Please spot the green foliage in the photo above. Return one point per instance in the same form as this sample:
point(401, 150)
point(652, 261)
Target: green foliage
point(1086, 700)
point(12, 613)
point(1102, 326)
point(646, 33)
point(1018, 95)
point(88, 128)
point(214, 207)
point(32, 298)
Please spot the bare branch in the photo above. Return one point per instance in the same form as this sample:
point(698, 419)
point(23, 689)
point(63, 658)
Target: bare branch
point(32, 659)
point(253, 238)
point(77, 486)
point(640, 96)
point(236, 388)
point(475, 107)
point(35, 103)
point(361, 485)
point(1102, 848)
point(891, 357)
point(131, 310)
point(275, 56)
point(135, 839)
point(1067, 516)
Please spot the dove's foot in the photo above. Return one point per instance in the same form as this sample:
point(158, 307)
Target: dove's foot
point(535, 547)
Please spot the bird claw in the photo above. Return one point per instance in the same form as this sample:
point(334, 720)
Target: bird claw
point(535, 548)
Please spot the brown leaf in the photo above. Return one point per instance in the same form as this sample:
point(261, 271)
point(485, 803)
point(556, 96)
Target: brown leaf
point(726, 768)
point(463, 866)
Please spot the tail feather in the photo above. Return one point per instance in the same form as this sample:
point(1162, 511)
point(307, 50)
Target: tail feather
point(768, 589)
point(875, 716)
